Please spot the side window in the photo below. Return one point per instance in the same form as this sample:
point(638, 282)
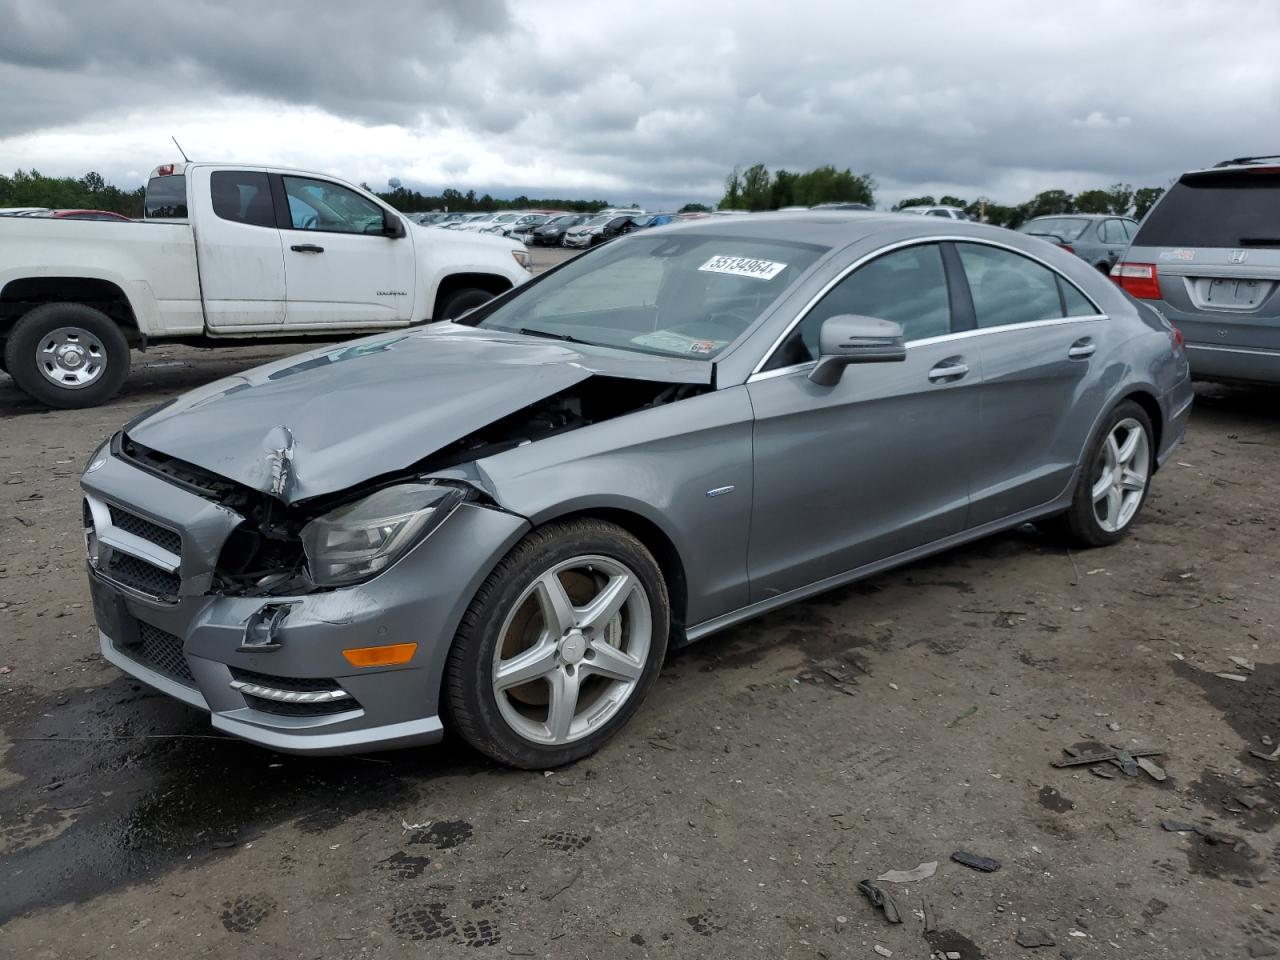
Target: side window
point(320, 205)
point(1008, 287)
point(1130, 228)
point(1114, 232)
point(940, 213)
point(242, 196)
point(908, 286)
point(1077, 304)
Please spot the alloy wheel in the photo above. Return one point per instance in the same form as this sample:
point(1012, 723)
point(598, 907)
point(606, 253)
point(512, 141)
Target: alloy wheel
point(1123, 469)
point(572, 650)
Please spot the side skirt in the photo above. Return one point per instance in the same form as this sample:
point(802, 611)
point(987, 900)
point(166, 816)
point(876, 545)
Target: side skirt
point(733, 618)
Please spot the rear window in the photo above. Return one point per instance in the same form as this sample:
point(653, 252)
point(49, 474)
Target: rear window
point(166, 198)
point(1068, 228)
point(1216, 210)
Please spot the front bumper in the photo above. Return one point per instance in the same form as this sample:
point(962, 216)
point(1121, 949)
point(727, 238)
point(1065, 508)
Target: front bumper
point(577, 240)
point(193, 645)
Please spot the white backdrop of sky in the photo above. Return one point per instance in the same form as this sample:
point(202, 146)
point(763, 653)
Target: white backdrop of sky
point(651, 102)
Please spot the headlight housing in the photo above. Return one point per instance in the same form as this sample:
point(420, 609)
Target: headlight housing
point(522, 257)
point(361, 539)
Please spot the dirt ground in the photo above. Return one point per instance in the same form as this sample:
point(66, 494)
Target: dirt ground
point(775, 766)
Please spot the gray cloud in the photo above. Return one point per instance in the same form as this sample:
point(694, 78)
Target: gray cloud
point(662, 99)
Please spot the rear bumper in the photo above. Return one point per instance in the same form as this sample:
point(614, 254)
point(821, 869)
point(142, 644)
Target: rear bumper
point(1244, 364)
point(1177, 406)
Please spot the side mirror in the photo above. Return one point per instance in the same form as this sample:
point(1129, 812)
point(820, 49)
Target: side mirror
point(847, 338)
point(392, 225)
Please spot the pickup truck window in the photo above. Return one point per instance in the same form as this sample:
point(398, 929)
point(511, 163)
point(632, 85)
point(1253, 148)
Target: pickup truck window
point(319, 205)
point(166, 198)
point(242, 196)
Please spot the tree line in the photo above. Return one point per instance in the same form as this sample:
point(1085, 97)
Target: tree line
point(30, 188)
point(757, 189)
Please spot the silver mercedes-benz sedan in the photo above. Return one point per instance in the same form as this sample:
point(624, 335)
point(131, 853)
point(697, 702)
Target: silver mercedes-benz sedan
point(503, 523)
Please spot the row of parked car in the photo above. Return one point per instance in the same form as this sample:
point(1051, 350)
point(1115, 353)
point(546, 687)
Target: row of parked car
point(551, 227)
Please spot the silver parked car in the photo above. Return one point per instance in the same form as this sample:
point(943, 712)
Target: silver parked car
point(1207, 256)
point(1095, 238)
point(507, 520)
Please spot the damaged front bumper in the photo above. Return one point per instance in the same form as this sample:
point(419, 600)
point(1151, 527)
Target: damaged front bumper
point(274, 670)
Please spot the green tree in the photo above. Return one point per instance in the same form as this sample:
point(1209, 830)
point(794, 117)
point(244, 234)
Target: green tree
point(1121, 196)
point(1093, 201)
point(1049, 202)
point(732, 199)
point(783, 192)
point(1144, 199)
point(757, 192)
point(695, 208)
point(950, 201)
point(925, 201)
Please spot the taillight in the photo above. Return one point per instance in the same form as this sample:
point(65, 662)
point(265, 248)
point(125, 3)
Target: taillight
point(1067, 247)
point(164, 170)
point(1178, 339)
point(1140, 280)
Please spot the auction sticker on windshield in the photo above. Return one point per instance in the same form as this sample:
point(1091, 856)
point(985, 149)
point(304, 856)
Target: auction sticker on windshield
point(743, 267)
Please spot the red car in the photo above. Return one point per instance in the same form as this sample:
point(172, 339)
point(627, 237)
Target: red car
point(86, 215)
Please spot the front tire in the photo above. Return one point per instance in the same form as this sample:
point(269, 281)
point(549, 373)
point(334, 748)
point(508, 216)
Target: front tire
point(67, 355)
point(560, 646)
point(468, 298)
point(1114, 482)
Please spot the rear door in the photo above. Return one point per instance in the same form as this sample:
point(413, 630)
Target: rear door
point(1214, 240)
point(340, 270)
point(1037, 336)
point(242, 275)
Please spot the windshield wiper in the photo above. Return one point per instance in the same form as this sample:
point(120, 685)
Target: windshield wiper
point(531, 332)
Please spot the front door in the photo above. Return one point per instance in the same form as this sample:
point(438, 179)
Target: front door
point(877, 464)
point(340, 270)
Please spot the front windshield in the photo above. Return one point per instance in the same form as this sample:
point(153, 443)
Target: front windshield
point(683, 294)
point(598, 221)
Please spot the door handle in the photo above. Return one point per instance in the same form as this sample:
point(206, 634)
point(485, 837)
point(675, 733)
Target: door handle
point(1082, 349)
point(306, 248)
point(953, 368)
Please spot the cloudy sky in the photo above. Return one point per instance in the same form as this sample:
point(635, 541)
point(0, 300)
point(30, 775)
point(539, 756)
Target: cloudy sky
point(648, 101)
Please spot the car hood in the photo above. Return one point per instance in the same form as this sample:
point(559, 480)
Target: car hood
point(330, 419)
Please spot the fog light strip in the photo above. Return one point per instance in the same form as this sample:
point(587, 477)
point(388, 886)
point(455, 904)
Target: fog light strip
point(289, 696)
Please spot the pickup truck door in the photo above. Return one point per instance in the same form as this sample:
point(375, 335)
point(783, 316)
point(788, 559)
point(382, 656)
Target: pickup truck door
point(238, 250)
point(340, 270)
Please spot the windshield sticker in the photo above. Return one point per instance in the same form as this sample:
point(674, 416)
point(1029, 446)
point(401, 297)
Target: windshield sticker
point(1178, 254)
point(677, 342)
point(743, 267)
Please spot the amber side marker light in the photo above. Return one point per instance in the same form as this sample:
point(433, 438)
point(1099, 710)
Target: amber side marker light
point(388, 656)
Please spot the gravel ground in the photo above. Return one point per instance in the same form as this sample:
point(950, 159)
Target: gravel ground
point(775, 766)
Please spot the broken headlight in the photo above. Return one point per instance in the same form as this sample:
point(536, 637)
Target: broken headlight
point(360, 539)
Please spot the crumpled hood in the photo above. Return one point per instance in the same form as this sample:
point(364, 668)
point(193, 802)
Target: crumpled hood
point(329, 419)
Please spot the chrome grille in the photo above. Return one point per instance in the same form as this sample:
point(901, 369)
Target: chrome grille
point(133, 551)
point(162, 537)
point(141, 576)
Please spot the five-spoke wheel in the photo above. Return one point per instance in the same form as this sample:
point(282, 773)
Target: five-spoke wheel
point(560, 644)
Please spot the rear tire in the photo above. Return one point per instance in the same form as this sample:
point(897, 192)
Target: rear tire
point(67, 355)
point(530, 643)
point(1113, 484)
point(468, 298)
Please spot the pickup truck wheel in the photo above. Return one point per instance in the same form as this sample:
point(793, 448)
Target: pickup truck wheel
point(67, 355)
point(468, 298)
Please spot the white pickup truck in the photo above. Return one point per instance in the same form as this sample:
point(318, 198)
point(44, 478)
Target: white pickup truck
point(226, 252)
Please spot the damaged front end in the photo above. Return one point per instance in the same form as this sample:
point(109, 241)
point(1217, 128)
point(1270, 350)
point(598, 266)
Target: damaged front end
point(286, 548)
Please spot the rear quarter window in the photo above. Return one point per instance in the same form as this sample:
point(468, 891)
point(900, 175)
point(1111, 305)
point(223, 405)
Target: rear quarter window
point(1216, 210)
point(166, 198)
